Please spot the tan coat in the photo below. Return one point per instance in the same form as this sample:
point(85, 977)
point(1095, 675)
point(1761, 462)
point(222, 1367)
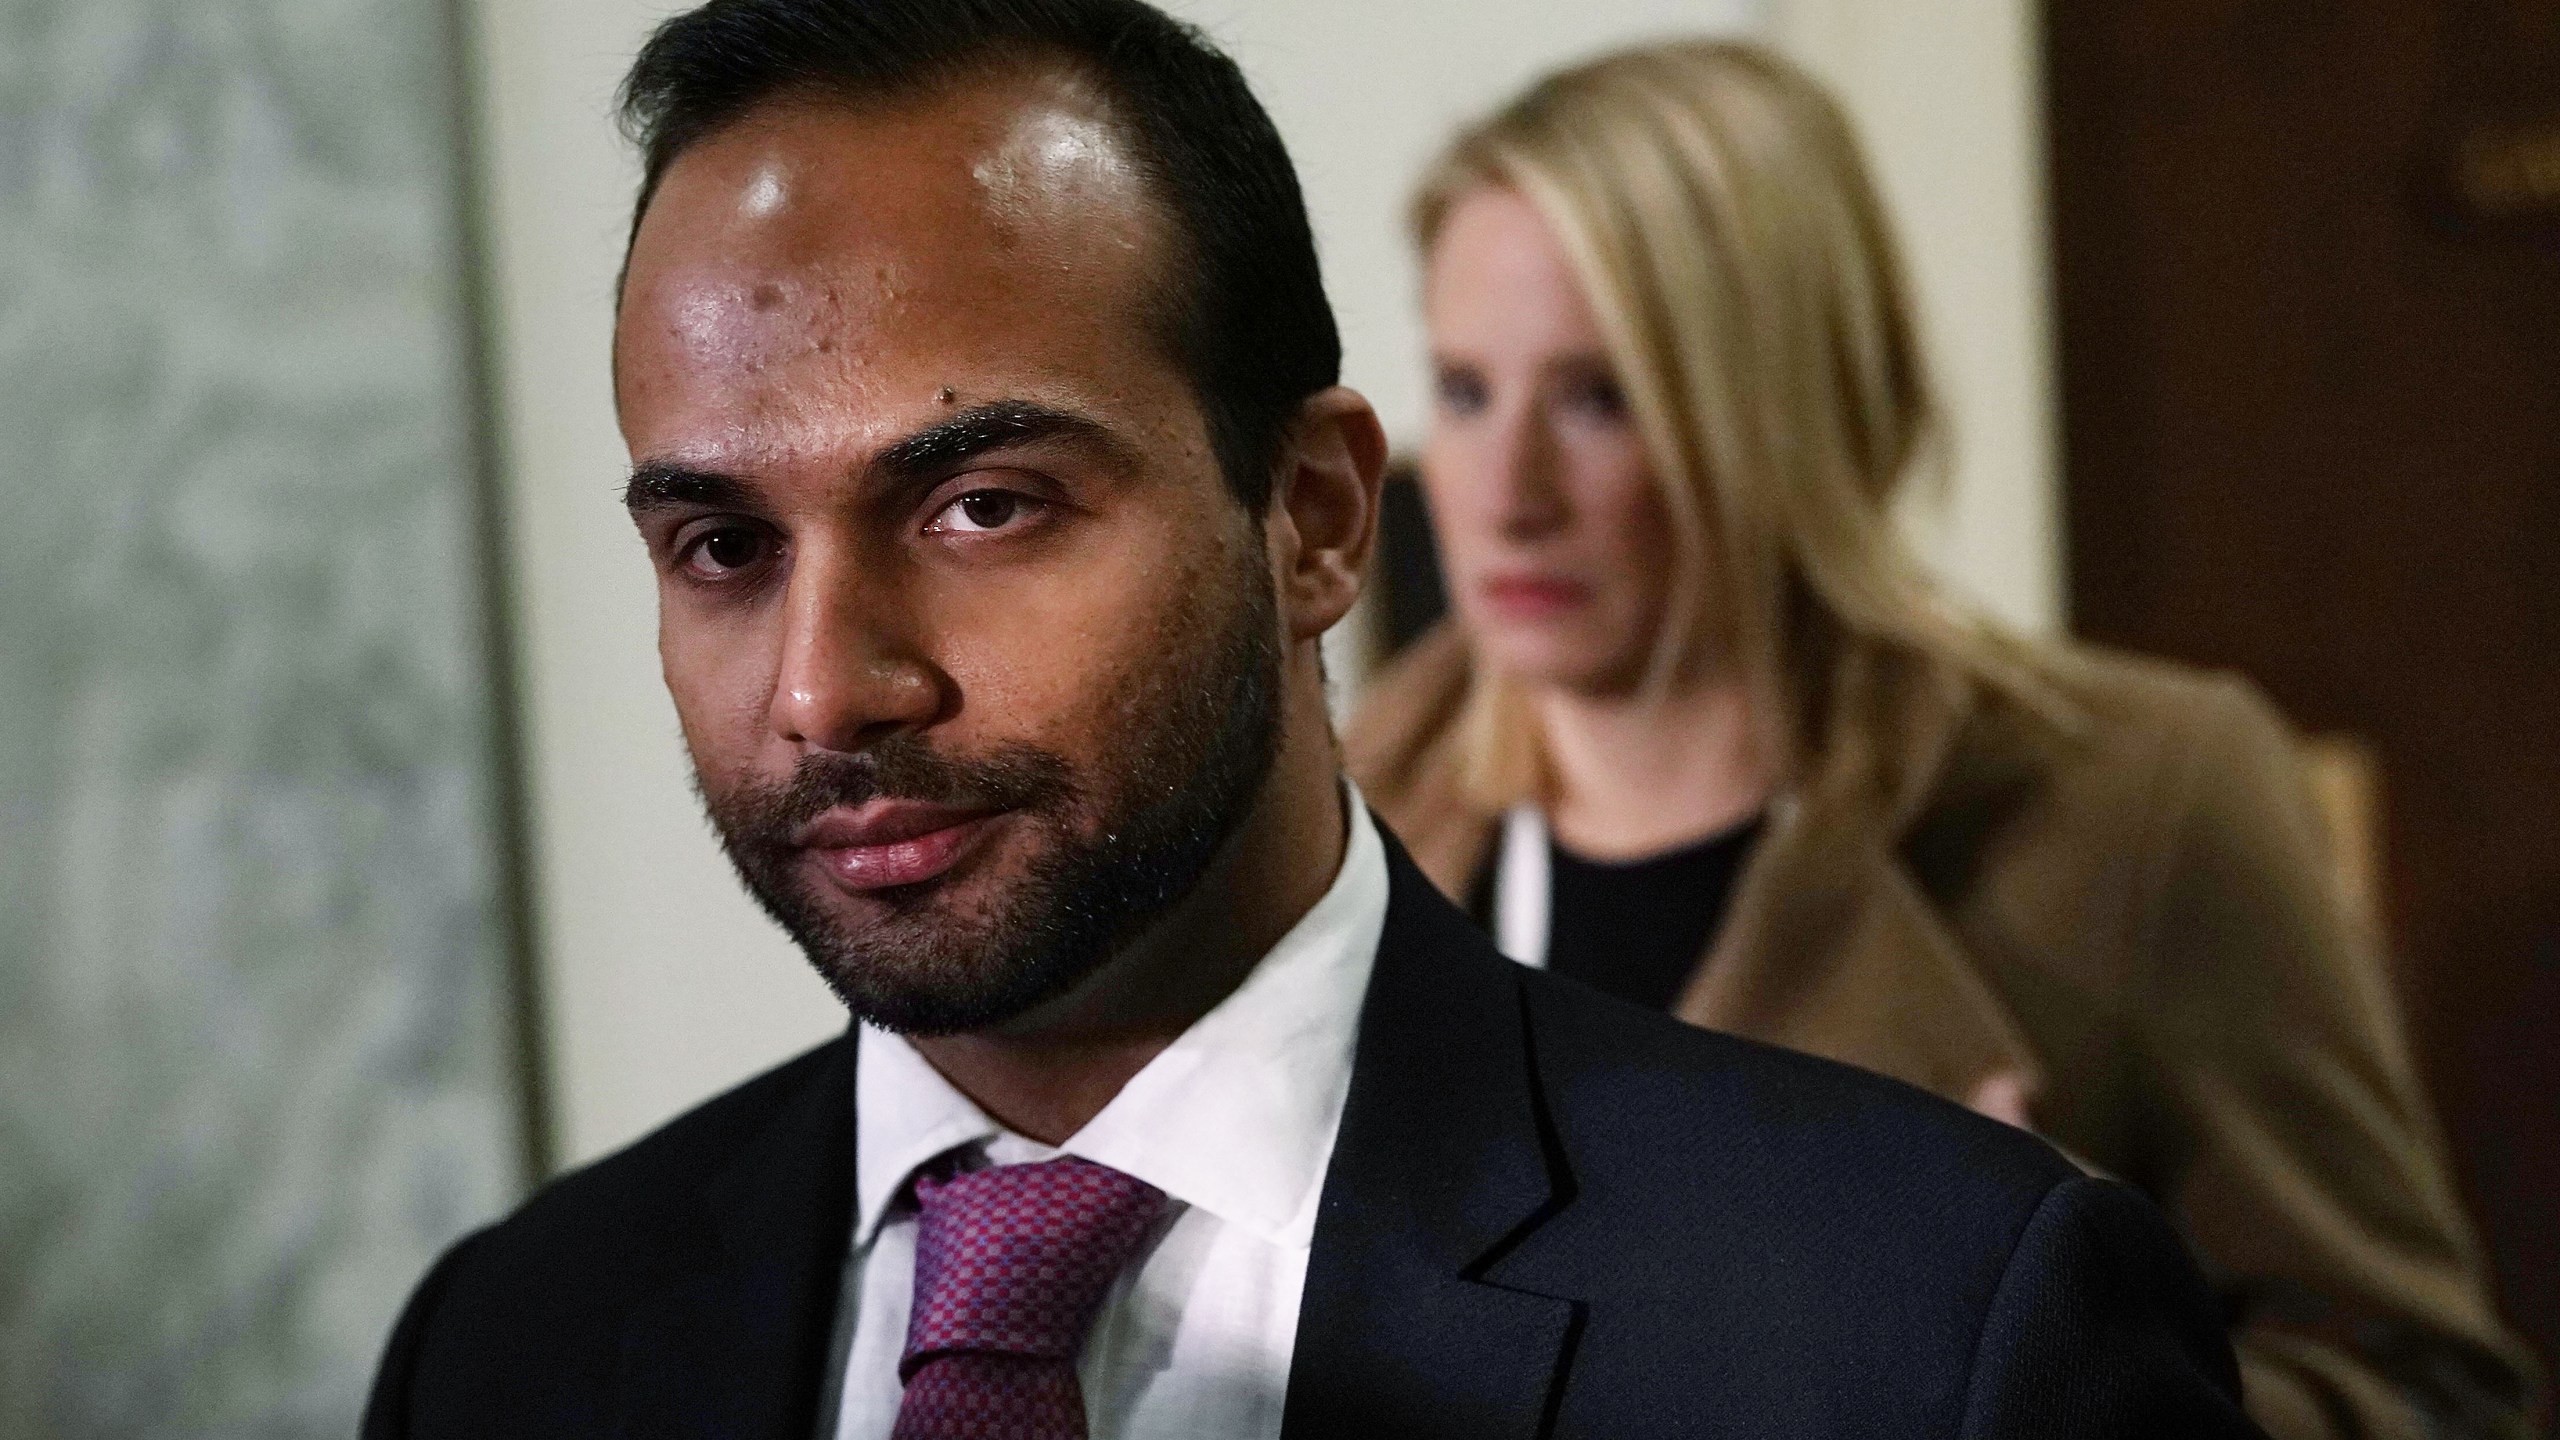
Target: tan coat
point(2133, 926)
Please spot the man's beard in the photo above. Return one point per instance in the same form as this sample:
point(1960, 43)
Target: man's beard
point(1125, 843)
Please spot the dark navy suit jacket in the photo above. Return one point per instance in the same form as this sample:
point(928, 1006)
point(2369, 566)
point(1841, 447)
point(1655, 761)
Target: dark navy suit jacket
point(1548, 1214)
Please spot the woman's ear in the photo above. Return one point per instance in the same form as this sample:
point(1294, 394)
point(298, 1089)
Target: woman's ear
point(1323, 521)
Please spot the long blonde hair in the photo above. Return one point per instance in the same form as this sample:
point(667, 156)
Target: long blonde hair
point(1714, 204)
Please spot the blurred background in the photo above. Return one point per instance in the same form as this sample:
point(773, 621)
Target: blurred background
point(350, 881)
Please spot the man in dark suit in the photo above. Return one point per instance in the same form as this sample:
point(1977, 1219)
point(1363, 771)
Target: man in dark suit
point(980, 388)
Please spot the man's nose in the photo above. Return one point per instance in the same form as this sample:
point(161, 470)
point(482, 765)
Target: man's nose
point(850, 675)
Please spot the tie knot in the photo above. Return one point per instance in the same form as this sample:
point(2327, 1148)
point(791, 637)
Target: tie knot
point(1015, 1260)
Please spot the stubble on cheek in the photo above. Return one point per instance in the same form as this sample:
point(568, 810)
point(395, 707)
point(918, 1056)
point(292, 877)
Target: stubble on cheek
point(1157, 659)
point(722, 684)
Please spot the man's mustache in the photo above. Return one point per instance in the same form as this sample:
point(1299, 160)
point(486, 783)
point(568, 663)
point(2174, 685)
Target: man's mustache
point(902, 767)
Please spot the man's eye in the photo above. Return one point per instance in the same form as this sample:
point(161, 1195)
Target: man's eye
point(981, 511)
point(727, 549)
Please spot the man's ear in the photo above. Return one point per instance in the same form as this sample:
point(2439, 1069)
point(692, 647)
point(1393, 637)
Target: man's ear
point(1324, 509)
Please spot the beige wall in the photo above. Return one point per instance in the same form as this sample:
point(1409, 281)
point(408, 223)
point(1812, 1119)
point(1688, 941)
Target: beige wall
point(663, 983)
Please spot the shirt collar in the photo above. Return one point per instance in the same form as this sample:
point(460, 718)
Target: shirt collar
point(905, 1114)
point(1236, 1117)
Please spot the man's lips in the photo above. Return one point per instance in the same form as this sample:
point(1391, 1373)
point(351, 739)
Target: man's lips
point(882, 844)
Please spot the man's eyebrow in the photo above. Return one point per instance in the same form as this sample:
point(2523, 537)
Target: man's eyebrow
point(928, 454)
point(657, 484)
point(919, 458)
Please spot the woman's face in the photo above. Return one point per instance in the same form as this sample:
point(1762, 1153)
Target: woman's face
point(1552, 532)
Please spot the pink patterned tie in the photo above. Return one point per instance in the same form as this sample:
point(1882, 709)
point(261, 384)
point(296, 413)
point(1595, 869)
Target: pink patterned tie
point(1011, 1266)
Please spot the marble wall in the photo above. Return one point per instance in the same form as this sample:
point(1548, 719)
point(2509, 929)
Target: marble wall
point(258, 1052)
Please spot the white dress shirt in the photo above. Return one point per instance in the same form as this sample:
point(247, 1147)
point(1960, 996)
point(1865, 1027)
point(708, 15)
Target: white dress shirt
point(1235, 1121)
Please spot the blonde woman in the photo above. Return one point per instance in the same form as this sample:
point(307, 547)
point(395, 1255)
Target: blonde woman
point(1703, 734)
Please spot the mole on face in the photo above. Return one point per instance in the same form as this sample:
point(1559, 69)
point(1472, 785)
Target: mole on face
point(948, 395)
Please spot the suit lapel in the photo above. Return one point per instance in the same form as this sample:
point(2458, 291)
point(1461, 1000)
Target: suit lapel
point(1843, 957)
point(1444, 1163)
point(1832, 946)
point(734, 1343)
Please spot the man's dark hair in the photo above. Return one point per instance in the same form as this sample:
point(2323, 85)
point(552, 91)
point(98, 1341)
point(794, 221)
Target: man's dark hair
point(1250, 324)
